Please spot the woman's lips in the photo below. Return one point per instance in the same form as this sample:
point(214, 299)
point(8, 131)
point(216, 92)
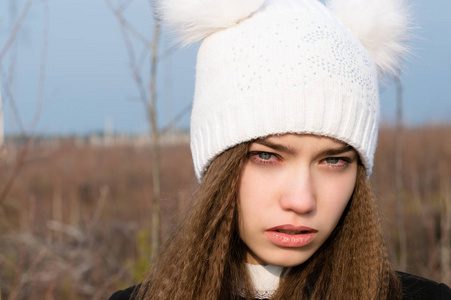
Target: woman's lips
point(291, 236)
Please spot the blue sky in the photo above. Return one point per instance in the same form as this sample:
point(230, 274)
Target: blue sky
point(88, 78)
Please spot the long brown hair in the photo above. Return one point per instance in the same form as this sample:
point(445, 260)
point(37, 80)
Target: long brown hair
point(206, 258)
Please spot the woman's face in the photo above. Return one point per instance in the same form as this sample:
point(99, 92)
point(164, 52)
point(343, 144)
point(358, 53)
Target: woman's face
point(293, 191)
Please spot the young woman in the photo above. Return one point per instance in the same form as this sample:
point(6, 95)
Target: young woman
point(283, 135)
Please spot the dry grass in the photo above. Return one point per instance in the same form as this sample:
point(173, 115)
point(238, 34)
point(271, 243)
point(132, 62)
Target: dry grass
point(75, 225)
point(427, 191)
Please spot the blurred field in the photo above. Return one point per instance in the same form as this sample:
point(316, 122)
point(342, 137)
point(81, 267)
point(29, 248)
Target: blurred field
point(76, 223)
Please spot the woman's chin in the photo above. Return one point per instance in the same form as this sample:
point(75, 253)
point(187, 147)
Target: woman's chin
point(283, 258)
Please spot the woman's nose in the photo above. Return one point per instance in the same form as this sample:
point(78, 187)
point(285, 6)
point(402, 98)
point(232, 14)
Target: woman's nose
point(298, 193)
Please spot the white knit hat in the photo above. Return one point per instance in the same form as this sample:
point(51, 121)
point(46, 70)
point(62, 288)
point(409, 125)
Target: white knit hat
point(287, 66)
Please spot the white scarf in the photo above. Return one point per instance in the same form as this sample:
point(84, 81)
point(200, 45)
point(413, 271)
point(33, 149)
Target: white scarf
point(265, 279)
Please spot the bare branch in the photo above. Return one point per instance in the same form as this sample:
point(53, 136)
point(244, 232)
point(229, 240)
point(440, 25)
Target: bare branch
point(168, 53)
point(131, 54)
point(12, 104)
point(2, 127)
point(445, 225)
point(149, 100)
point(4, 219)
point(15, 30)
point(43, 65)
point(21, 158)
point(136, 74)
point(177, 118)
point(109, 281)
point(142, 58)
point(9, 78)
point(153, 75)
point(125, 5)
point(118, 12)
point(399, 178)
point(156, 228)
point(20, 275)
point(104, 194)
point(16, 285)
point(17, 168)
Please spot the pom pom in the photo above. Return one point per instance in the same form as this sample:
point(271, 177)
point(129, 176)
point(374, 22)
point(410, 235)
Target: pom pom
point(193, 20)
point(382, 26)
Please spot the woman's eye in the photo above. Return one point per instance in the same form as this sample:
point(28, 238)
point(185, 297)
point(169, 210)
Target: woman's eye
point(337, 162)
point(332, 160)
point(264, 155)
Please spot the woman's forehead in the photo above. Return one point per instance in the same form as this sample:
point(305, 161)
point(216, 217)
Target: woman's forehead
point(295, 144)
point(311, 139)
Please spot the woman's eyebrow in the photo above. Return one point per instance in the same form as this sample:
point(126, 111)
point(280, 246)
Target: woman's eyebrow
point(290, 150)
point(277, 147)
point(334, 151)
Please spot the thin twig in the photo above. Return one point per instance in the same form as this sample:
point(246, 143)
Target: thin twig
point(4, 219)
point(15, 30)
point(36, 261)
point(142, 59)
point(168, 53)
point(13, 106)
point(177, 118)
point(20, 161)
point(125, 5)
point(118, 12)
point(16, 284)
point(43, 66)
point(156, 223)
point(2, 126)
point(136, 74)
point(131, 54)
point(149, 100)
point(402, 259)
point(100, 294)
point(104, 193)
point(17, 168)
